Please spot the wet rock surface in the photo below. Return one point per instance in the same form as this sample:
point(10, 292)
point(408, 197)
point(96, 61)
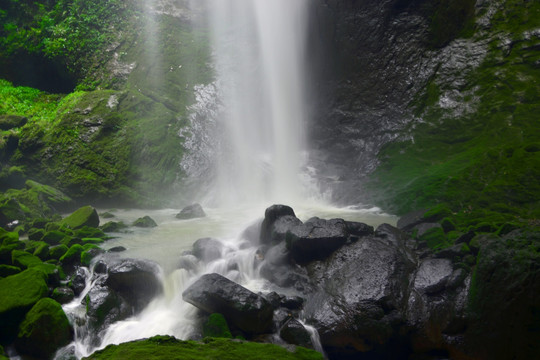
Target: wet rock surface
point(246, 310)
point(191, 212)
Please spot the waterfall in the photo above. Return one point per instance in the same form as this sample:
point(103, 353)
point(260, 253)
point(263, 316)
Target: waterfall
point(259, 59)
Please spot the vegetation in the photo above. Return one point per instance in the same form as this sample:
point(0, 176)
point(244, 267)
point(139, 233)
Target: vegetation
point(166, 347)
point(482, 161)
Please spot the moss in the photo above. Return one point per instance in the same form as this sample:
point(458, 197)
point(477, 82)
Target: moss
point(8, 270)
point(53, 237)
point(56, 252)
point(145, 222)
point(216, 326)
point(44, 329)
point(87, 255)
point(35, 234)
point(18, 293)
point(51, 271)
point(90, 232)
point(113, 226)
point(72, 256)
point(41, 250)
point(85, 216)
point(435, 238)
point(165, 347)
point(24, 259)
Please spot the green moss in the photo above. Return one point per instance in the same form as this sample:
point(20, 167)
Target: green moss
point(216, 327)
point(90, 232)
point(41, 250)
point(73, 255)
point(24, 259)
point(53, 237)
point(8, 270)
point(85, 216)
point(435, 238)
point(56, 252)
point(165, 347)
point(44, 329)
point(113, 226)
point(18, 293)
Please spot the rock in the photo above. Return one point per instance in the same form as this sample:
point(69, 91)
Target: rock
point(78, 281)
point(8, 122)
point(116, 249)
point(23, 259)
point(53, 237)
point(216, 326)
point(42, 251)
point(207, 249)
point(54, 198)
point(72, 257)
point(272, 214)
point(410, 220)
point(85, 216)
point(113, 226)
point(145, 222)
point(8, 270)
point(277, 268)
point(89, 254)
point(279, 228)
point(362, 293)
point(244, 309)
point(10, 211)
point(63, 295)
point(191, 212)
point(56, 252)
point(100, 267)
point(105, 306)
point(425, 227)
point(18, 293)
point(432, 275)
point(293, 332)
point(292, 302)
point(358, 229)
point(316, 240)
point(44, 329)
point(253, 232)
point(135, 280)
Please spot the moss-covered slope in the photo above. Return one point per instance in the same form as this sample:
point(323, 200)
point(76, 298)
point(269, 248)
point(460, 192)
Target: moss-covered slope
point(481, 155)
point(166, 347)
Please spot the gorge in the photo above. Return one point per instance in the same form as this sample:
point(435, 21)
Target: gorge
point(402, 134)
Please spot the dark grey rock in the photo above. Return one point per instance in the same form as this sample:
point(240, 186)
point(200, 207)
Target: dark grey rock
point(271, 215)
point(316, 240)
point(410, 220)
point(207, 249)
point(246, 310)
point(100, 267)
point(78, 281)
point(135, 280)
point(357, 229)
point(116, 249)
point(432, 275)
point(293, 332)
point(191, 212)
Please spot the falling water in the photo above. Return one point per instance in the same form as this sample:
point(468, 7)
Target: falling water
point(259, 60)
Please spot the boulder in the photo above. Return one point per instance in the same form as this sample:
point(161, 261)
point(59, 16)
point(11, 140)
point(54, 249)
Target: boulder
point(78, 281)
point(116, 249)
point(207, 249)
point(8, 270)
point(432, 275)
point(272, 214)
point(24, 259)
point(135, 280)
point(278, 268)
point(85, 216)
point(145, 222)
point(357, 230)
point(113, 226)
point(191, 212)
point(63, 295)
point(293, 332)
point(317, 239)
point(18, 293)
point(244, 309)
point(216, 326)
point(44, 329)
point(362, 293)
point(105, 306)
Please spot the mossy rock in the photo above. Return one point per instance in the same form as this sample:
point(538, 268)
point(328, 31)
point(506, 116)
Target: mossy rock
point(448, 225)
point(72, 256)
point(44, 329)
point(18, 293)
point(8, 237)
point(107, 215)
point(52, 272)
point(24, 259)
point(63, 295)
point(3, 355)
point(90, 252)
point(42, 250)
point(90, 232)
point(145, 222)
point(8, 121)
point(167, 347)
point(435, 238)
point(85, 216)
point(437, 213)
point(216, 326)
point(53, 197)
point(54, 237)
point(94, 241)
point(56, 252)
point(10, 211)
point(36, 234)
point(8, 270)
point(113, 226)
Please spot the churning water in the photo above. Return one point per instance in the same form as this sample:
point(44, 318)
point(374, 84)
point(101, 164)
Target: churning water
point(248, 151)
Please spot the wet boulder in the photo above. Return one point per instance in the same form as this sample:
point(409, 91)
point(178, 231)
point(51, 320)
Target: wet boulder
point(246, 310)
point(104, 306)
point(357, 230)
point(432, 275)
point(78, 281)
point(362, 295)
point(293, 332)
point(278, 219)
point(193, 211)
point(317, 239)
point(63, 295)
point(277, 268)
point(44, 329)
point(207, 249)
point(135, 280)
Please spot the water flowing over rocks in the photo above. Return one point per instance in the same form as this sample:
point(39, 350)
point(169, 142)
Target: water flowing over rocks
point(248, 311)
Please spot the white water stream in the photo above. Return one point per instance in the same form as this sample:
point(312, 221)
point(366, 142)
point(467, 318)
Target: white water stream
point(249, 126)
